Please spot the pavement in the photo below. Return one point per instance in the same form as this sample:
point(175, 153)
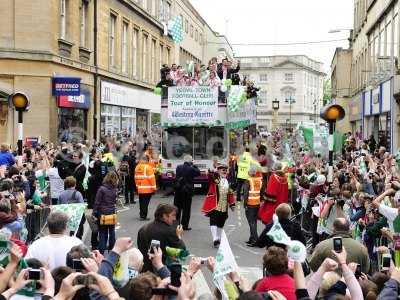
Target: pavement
point(199, 241)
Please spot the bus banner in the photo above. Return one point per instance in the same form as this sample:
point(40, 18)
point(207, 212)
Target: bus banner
point(191, 106)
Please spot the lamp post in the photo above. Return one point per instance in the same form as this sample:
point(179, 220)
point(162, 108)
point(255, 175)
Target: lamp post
point(331, 114)
point(20, 101)
point(290, 100)
point(275, 107)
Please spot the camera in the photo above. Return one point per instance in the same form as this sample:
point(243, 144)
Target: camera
point(85, 280)
point(34, 274)
point(77, 265)
point(154, 244)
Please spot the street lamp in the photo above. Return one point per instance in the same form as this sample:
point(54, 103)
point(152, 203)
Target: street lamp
point(20, 101)
point(290, 100)
point(337, 30)
point(331, 114)
point(275, 107)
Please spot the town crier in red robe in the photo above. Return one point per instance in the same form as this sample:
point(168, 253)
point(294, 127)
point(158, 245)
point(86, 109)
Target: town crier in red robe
point(276, 193)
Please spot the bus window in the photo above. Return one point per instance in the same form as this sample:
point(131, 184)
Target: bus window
point(209, 142)
point(177, 142)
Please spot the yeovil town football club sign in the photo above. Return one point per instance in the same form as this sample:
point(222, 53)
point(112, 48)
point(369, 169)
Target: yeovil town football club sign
point(192, 105)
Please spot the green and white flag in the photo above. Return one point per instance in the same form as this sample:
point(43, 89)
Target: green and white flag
point(296, 250)
point(235, 97)
point(175, 28)
point(74, 211)
point(225, 263)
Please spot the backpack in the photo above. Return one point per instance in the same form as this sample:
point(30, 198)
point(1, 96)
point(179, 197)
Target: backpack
point(63, 170)
point(124, 167)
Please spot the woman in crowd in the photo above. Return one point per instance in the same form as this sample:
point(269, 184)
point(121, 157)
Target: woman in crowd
point(219, 198)
point(105, 209)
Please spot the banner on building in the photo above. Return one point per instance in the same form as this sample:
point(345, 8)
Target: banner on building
point(66, 86)
point(192, 106)
point(244, 116)
point(74, 211)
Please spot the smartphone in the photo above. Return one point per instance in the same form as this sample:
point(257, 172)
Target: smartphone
point(154, 244)
point(386, 258)
point(357, 273)
point(163, 292)
point(34, 274)
point(176, 271)
point(204, 261)
point(337, 244)
point(77, 265)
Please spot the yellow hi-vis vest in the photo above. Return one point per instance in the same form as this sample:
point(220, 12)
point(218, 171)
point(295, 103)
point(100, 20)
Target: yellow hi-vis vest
point(254, 191)
point(244, 165)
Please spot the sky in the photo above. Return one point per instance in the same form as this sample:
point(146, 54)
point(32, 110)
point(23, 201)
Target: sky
point(280, 21)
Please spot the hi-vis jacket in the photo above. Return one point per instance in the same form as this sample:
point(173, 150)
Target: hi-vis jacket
point(244, 163)
point(254, 191)
point(145, 179)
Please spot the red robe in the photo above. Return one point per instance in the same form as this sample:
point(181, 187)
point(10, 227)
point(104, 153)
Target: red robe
point(211, 200)
point(277, 189)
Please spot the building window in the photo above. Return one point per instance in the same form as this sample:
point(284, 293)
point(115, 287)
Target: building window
point(196, 35)
point(186, 26)
point(191, 30)
point(113, 21)
point(263, 77)
point(262, 98)
point(161, 55)
point(84, 24)
point(63, 19)
point(167, 11)
point(161, 10)
point(289, 77)
point(145, 57)
point(201, 39)
point(289, 96)
point(168, 56)
point(153, 61)
point(124, 58)
point(135, 46)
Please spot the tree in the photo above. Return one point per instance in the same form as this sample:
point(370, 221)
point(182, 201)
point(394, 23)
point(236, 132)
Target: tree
point(327, 92)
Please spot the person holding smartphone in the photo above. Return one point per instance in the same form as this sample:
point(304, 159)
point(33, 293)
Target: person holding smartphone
point(341, 239)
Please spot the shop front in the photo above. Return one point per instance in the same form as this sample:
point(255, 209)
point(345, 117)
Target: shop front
point(355, 114)
point(125, 111)
point(377, 119)
point(72, 116)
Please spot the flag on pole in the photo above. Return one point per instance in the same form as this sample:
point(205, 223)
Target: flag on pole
point(225, 263)
point(175, 28)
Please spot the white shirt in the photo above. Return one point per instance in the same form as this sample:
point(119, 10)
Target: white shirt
point(389, 213)
point(56, 183)
point(52, 250)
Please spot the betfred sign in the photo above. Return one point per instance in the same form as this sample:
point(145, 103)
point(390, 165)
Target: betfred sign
point(66, 86)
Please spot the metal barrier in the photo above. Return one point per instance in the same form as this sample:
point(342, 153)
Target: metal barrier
point(35, 222)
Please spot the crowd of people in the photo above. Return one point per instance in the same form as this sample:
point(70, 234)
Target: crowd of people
point(216, 74)
point(349, 226)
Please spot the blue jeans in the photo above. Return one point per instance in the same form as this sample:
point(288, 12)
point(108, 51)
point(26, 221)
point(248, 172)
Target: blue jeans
point(106, 233)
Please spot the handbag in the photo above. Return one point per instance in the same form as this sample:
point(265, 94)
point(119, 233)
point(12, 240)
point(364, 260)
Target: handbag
point(108, 219)
point(92, 220)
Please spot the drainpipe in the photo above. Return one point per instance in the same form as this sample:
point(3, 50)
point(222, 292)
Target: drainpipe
point(95, 94)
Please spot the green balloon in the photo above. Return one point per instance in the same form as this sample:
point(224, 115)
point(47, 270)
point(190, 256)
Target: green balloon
point(157, 91)
point(228, 82)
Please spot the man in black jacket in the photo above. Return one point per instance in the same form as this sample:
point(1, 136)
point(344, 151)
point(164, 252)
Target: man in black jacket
point(185, 174)
point(225, 70)
point(128, 176)
point(292, 229)
point(162, 229)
